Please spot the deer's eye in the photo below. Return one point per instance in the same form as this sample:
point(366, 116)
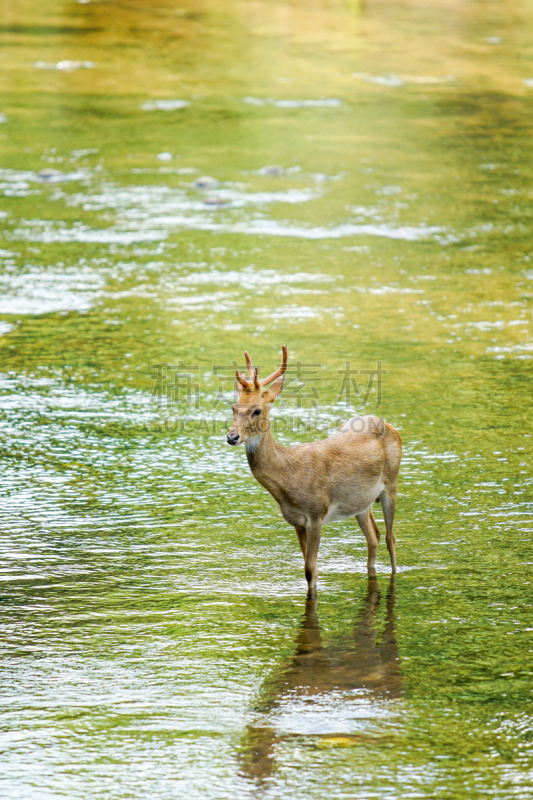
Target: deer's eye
point(233, 409)
point(256, 412)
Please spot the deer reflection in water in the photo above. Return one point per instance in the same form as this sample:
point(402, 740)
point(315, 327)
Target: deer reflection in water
point(319, 676)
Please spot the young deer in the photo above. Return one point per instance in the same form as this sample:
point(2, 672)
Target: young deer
point(324, 481)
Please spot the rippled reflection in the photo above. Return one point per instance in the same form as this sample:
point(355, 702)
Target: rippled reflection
point(330, 690)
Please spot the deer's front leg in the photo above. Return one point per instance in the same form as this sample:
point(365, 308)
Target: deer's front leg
point(313, 533)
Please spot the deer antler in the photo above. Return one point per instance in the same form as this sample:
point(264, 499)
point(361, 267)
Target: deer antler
point(249, 364)
point(242, 381)
point(279, 371)
point(252, 373)
point(247, 384)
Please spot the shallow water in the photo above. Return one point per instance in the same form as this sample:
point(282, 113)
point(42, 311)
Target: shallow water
point(369, 201)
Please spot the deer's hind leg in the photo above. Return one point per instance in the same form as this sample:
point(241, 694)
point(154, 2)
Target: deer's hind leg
point(368, 525)
point(302, 538)
point(388, 504)
point(313, 533)
point(374, 523)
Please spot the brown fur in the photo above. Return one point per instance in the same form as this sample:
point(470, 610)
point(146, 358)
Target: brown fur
point(323, 481)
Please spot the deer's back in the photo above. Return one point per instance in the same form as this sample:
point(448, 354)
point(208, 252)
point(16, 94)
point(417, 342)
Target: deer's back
point(370, 437)
point(364, 447)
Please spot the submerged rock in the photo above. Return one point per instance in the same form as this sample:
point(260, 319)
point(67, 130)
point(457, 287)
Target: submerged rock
point(50, 175)
point(215, 201)
point(272, 169)
point(206, 182)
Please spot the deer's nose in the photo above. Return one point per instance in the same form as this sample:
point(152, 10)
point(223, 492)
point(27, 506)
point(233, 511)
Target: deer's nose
point(233, 438)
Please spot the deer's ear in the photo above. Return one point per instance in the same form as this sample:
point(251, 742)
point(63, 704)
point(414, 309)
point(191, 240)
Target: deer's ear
point(272, 392)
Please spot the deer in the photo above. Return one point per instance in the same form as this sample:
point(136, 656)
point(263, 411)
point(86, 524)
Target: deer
point(319, 482)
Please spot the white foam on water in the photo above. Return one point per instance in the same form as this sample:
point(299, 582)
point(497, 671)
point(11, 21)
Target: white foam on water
point(296, 313)
point(380, 80)
point(253, 227)
point(150, 213)
point(64, 66)
point(219, 301)
point(16, 183)
point(88, 151)
point(401, 80)
point(164, 105)
point(510, 349)
point(41, 291)
point(268, 227)
point(5, 327)
point(321, 102)
point(82, 233)
point(251, 278)
point(238, 199)
point(387, 290)
point(486, 325)
point(145, 202)
point(389, 190)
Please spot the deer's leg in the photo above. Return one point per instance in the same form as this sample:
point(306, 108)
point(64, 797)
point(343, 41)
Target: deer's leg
point(301, 533)
point(313, 533)
point(388, 504)
point(374, 523)
point(369, 529)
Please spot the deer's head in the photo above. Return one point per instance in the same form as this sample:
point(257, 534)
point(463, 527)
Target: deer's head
point(250, 412)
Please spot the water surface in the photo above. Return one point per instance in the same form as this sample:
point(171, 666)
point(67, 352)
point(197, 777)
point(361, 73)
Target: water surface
point(368, 200)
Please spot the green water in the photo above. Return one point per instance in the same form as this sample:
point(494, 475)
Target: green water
point(155, 637)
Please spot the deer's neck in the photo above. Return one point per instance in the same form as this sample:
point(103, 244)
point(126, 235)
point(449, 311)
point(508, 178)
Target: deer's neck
point(265, 456)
